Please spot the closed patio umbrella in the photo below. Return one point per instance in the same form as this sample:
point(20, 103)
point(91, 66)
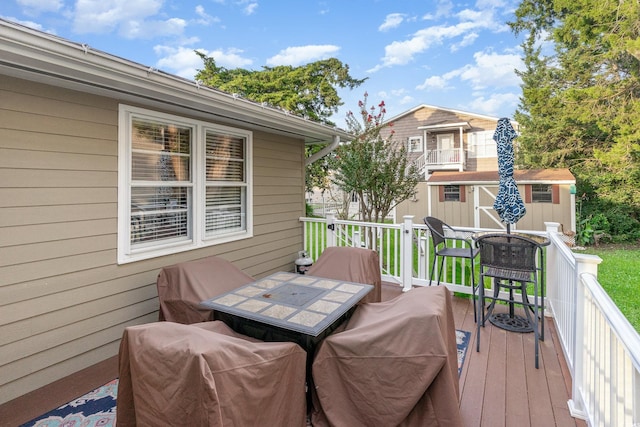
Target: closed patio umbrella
point(508, 202)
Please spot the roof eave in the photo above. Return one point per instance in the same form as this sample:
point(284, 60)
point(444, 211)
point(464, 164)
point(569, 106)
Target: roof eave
point(41, 57)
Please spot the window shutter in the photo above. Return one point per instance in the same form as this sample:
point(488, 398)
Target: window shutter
point(555, 194)
point(527, 193)
point(463, 194)
point(441, 193)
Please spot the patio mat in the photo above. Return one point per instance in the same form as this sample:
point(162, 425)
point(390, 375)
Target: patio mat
point(462, 341)
point(98, 407)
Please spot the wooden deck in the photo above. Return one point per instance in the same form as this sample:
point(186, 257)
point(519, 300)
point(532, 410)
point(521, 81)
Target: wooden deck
point(499, 386)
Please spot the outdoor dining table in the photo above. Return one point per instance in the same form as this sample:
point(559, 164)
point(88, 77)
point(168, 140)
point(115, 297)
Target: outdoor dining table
point(289, 307)
point(513, 322)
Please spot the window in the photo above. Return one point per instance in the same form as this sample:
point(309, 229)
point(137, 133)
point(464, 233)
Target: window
point(541, 193)
point(415, 144)
point(482, 144)
point(183, 184)
point(451, 193)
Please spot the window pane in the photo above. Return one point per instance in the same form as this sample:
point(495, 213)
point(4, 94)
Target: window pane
point(451, 193)
point(541, 193)
point(482, 144)
point(160, 152)
point(159, 213)
point(225, 157)
point(224, 211)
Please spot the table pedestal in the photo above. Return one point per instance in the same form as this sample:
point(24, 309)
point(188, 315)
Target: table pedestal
point(511, 323)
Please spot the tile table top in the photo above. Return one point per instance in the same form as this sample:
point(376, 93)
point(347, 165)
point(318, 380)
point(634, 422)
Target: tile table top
point(295, 302)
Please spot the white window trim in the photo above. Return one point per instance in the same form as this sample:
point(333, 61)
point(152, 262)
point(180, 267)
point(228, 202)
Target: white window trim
point(198, 240)
point(482, 141)
point(420, 148)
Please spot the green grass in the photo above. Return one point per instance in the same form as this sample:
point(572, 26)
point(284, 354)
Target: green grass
point(619, 275)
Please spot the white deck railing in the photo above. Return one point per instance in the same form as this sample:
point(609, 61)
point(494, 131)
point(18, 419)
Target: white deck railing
point(601, 348)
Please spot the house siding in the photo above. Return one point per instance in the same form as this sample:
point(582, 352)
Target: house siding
point(64, 300)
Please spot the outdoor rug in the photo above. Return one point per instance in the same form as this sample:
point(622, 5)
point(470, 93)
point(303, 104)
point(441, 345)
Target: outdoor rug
point(462, 341)
point(98, 407)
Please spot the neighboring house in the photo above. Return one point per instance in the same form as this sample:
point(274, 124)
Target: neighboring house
point(457, 154)
point(111, 170)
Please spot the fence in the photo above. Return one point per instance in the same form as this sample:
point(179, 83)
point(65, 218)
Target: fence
point(601, 348)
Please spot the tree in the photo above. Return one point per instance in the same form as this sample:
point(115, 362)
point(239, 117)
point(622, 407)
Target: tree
point(308, 90)
point(580, 104)
point(377, 170)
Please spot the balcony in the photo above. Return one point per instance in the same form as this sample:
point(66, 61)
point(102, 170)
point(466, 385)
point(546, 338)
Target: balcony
point(590, 359)
point(444, 159)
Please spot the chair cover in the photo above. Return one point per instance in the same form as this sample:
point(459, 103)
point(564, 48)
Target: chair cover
point(208, 375)
point(352, 264)
point(395, 364)
point(181, 287)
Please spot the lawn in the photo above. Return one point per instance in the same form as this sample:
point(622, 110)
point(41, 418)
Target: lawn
point(619, 275)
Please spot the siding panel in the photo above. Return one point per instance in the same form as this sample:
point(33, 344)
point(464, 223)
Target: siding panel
point(64, 301)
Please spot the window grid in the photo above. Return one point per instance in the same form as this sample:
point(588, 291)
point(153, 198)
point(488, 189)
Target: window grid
point(183, 184)
point(541, 193)
point(451, 193)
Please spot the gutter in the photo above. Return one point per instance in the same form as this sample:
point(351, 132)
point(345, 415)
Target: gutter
point(37, 56)
point(326, 150)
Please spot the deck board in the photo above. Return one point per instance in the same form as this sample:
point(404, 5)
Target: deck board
point(499, 386)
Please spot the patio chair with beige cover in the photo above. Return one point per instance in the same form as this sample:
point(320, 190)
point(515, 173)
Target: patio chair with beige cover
point(352, 264)
point(182, 286)
point(394, 364)
point(205, 374)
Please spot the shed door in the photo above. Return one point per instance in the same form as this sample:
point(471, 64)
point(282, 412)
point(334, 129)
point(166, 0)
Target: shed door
point(484, 215)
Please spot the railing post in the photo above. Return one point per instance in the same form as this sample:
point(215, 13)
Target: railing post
point(406, 253)
point(551, 269)
point(331, 229)
point(357, 239)
point(584, 264)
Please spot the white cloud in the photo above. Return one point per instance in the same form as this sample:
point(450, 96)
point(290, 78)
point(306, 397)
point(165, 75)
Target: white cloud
point(151, 29)
point(204, 17)
point(467, 40)
point(493, 69)
point(29, 24)
point(470, 23)
point(443, 8)
point(391, 21)
point(434, 82)
point(39, 6)
point(299, 55)
point(489, 70)
point(184, 62)
point(494, 103)
point(250, 9)
point(405, 100)
point(131, 19)
point(181, 61)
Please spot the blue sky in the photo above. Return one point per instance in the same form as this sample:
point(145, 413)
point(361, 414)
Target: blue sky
point(458, 55)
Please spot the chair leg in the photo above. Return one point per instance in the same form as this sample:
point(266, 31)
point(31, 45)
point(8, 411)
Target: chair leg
point(433, 266)
point(480, 315)
point(440, 269)
point(473, 293)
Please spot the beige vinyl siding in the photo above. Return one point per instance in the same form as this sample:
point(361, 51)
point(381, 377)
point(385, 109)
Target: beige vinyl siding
point(453, 213)
point(64, 301)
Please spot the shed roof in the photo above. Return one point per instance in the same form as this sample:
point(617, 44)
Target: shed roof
point(522, 176)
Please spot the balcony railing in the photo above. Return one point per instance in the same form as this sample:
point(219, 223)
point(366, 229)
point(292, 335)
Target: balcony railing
point(601, 348)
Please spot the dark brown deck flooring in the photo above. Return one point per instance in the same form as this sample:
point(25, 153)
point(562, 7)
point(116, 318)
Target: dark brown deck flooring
point(499, 386)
